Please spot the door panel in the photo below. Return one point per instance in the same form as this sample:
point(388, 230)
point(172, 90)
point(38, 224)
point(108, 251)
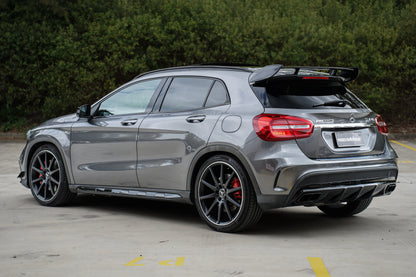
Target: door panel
point(168, 142)
point(103, 151)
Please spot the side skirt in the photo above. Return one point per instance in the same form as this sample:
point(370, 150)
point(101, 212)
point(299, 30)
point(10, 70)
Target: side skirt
point(156, 194)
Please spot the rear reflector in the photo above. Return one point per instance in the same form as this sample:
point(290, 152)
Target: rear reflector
point(276, 127)
point(381, 125)
point(315, 78)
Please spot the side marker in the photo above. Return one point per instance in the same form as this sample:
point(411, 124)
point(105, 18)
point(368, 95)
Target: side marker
point(318, 267)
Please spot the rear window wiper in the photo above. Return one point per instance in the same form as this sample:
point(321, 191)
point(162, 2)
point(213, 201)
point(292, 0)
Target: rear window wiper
point(337, 103)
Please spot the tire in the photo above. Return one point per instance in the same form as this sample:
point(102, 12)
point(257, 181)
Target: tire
point(47, 177)
point(225, 204)
point(347, 209)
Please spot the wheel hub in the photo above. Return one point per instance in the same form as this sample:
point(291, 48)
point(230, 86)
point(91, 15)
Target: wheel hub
point(222, 192)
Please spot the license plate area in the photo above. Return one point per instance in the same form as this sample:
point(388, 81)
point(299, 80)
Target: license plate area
point(349, 139)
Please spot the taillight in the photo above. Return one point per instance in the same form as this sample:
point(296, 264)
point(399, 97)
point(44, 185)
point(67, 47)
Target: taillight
point(275, 127)
point(381, 125)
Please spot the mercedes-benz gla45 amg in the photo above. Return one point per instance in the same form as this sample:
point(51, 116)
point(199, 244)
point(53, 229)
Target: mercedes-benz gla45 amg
point(232, 140)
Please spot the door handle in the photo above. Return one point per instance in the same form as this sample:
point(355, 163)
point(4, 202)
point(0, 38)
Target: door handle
point(128, 122)
point(195, 118)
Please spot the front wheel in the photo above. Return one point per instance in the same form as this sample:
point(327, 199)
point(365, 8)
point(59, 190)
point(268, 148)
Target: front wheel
point(346, 209)
point(47, 177)
point(224, 197)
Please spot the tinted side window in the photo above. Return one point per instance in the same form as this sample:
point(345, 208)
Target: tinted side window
point(133, 99)
point(218, 95)
point(186, 93)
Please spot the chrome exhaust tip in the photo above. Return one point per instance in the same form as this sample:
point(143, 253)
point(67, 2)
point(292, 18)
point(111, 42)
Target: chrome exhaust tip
point(389, 188)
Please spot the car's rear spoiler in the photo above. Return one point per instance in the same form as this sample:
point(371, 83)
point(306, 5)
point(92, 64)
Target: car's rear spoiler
point(279, 72)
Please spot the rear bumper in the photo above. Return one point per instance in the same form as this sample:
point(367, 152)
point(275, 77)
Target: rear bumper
point(351, 184)
point(334, 185)
point(342, 193)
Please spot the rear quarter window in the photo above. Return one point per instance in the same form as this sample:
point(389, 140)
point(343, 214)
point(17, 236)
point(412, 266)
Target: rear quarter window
point(218, 95)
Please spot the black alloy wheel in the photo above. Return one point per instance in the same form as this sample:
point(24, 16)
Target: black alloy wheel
point(47, 177)
point(224, 197)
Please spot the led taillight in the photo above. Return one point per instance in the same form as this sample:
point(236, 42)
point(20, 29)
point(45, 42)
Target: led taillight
point(381, 125)
point(276, 127)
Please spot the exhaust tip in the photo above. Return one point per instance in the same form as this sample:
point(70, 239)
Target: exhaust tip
point(390, 188)
point(309, 197)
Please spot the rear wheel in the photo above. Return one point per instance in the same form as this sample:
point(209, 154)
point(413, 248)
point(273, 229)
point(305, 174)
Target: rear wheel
point(346, 209)
point(224, 197)
point(47, 177)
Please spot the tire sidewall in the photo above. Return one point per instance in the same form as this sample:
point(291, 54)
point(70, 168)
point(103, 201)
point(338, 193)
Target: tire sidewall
point(244, 183)
point(62, 175)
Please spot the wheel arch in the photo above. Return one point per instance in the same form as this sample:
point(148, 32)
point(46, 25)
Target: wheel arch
point(213, 150)
point(45, 140)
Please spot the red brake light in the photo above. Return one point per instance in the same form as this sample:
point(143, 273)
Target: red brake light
point(276, 127)
point(381, 125)
point(315, 78)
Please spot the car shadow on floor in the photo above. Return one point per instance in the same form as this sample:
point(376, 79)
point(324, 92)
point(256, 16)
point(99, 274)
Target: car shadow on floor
point(311, 222)
point(163, 210)
point(294, 221)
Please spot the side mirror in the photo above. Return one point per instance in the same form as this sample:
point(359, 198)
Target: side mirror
point(84, 111)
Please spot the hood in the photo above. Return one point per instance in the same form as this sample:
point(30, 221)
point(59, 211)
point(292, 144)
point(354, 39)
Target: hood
point(69, 118)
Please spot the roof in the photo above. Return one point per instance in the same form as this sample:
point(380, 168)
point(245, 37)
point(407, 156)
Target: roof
point(273, 72)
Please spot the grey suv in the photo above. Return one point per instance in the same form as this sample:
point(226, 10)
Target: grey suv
point(232, 140)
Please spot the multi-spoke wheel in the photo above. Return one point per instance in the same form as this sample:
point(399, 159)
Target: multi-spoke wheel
point(224, 197)
point(47, 177)
point(346, 209)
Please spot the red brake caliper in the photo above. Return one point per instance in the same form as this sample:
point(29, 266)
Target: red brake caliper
point(40, 175)
point(236, 184)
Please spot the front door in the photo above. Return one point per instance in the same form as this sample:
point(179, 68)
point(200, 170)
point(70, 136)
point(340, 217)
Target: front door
point(103, 150)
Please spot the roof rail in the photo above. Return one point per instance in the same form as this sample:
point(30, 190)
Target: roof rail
point(232, 64)
point(197, 66)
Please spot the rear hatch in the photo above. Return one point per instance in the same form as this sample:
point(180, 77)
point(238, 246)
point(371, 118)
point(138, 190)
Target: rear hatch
point(343, 126)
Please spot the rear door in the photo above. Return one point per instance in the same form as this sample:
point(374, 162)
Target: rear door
point(343, 125)
point(181, 125)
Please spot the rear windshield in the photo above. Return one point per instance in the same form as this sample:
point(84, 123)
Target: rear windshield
point(307, 94)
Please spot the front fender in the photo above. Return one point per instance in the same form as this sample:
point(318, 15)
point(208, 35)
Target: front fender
point(59, 137)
